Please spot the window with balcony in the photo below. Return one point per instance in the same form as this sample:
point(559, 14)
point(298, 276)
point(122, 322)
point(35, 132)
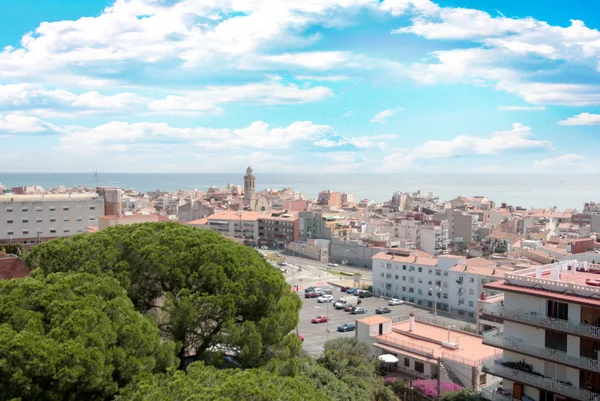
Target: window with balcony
point(557, 310)
point(556, 340)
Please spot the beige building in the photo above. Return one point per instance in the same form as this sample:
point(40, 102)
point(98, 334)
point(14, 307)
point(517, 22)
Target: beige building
point(229, 223)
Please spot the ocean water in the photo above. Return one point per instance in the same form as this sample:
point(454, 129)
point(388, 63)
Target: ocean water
point(526, 190)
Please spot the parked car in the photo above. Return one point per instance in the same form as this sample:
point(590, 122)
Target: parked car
point(283, 264)
point(349, 307)
point(328, 292)
point(264, 247)
point(346, 327)
point(383, 310)
point(339, 304)
point(359, 311)
point(309, 289)
point(320, 319)
point(332, 264)
point(351, 290)
point(311, 295)
point(344, 289)
point(394, 302)
point(318, 290)
point(325, 298)
point(365, 294)
point(301, 337)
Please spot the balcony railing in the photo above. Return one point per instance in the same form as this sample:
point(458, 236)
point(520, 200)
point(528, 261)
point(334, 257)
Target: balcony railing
point(579, 329)
point(495, 367)
point(580, 362)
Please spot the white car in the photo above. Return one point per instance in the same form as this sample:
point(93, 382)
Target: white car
point(332, 264)
point(395, 301)
point(325, 298)
point(264, 247)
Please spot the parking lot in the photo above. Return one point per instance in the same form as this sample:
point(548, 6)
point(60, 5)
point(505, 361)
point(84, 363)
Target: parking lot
point(315, 334)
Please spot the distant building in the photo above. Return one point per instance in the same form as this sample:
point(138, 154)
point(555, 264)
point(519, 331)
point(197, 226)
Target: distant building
point(29, 219)
point(242, 225)
point(112, 200)
point(277, 228)
point(130, 218)
point(330, 198)
point(193, 210)
point(347, 198)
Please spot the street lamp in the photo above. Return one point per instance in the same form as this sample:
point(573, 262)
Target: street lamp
point(327, 314)
point(434, 292)
point(345, 259)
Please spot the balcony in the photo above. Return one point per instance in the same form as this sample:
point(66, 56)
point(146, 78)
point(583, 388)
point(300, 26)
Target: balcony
point(495, 367)
point(533, 319)
point(578, 362)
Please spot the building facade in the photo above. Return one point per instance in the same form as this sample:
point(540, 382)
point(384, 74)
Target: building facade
point(29, 219)
point(330, 198)
point(277, 228)
point(550, 335)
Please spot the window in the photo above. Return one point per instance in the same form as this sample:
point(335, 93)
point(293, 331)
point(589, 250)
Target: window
point(439, 294)
point(52, 219)
point(52, 209)
point(420, 270)
point(461, 301)
point(66, 219)
point(420, 281)
point(25, 209)
point(482, 379)
point(471, 291)
point(403, 278)
point(92, 207)
point(411, 279)
point(66, 209)
point(24, 221)
point(419, 367)
point(396, 276)
point(420, 291)
point(558, 310)
point(9, 233)
point(429, 292)
point(471, 280)
point(555, 340)
point(430, 271)
point(66, 230)
point(438, 272)
point(9, 221)
point(9, 210)
point(470, 303)
point(404, 288)
point(438, 283)
point(38, 220)
point(38, 208)
point(430, 282)
point(25, 232)
point(92, 218)
point(445, 284)
point(403, 267)
point(382, 274)
point(445, 274)
point(411, 299)
point(79, 218)
point(411, 269)
point(445, 296)
point(411, 290)
point(52, 231)
point(407, 362)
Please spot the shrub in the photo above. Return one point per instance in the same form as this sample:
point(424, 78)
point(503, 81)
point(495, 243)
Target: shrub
point(429, 387)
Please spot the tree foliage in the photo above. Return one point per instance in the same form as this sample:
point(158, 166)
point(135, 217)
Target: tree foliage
point(15, 249)
point(206, 290)
point(202, 383)
point(351, 362)
point(73, 337)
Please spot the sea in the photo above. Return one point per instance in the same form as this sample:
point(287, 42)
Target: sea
point(526, 190)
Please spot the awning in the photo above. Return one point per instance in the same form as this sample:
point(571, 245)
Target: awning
point(387, 358)
point(399, 351)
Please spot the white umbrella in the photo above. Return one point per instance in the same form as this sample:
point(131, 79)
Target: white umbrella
point(387, 358)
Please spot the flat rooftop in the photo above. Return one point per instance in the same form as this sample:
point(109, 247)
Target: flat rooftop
point(430, 337)
point(572, 281)
point(48, 197)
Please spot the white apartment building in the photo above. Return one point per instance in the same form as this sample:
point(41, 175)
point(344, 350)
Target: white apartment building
point(243, 225)
point(427, 237)
point(456, 282)
point(551, 333)
point(28, 219)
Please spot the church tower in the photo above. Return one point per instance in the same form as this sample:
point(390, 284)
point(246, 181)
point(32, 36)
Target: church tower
point(249, 181)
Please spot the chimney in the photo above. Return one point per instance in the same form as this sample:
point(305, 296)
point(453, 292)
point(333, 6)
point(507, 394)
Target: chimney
point(483, 296)
point(411, 322)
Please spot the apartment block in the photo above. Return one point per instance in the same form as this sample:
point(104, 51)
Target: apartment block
point(277, 228)
point(551, 332)
point(229, 223)
point(330, 198)
point(29, 219)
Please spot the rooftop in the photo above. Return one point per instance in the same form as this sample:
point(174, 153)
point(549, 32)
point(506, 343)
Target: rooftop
point(47, 197)
point(578, 282)
point(391, 256)
point(429, 339)
point(234, 215)
point(373, 320)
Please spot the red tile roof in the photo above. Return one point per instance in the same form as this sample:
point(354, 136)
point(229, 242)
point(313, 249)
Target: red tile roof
point(12, 267)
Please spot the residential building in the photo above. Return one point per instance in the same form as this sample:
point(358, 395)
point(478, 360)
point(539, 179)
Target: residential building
point(330, 198)
point(550, 335)
point(29, 219)
point(353, 252)
point(317, 249)
point(462, 227)
point(310, 225)
point(193, 210)
point(112, 200)
point(347, 198)
point(277, 228)
point(234, 224)
point(427, 349)
point(428, 236)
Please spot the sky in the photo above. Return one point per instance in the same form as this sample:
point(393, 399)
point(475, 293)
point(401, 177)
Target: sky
point(325, 86)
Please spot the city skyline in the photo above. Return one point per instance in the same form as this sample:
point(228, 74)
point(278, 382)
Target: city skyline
point(299, 86)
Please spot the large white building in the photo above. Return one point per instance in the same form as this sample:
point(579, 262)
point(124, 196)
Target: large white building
point(415, 277)
point(28, 219)
point(551, 333)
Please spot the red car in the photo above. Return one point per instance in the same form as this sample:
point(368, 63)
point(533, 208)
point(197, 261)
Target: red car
point(344, 289)
point(311, 295)
point(301, 337)
point(320, 319)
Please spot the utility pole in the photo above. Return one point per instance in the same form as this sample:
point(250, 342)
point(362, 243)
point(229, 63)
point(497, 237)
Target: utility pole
point(439, 378)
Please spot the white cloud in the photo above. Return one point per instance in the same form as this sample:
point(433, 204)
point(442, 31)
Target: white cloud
point(521, 108)
point(20, 124)
point(568, 160)
point(311, 60)
point(400, 7)
point(582, 119)
point(382, 116)
point(332, 78)
point(360, 142)
point(514, 140)
point(122, 136)
point(554, 93)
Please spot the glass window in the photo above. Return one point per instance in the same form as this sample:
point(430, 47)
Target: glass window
point(407, 362)
point(25, 221)
point(471, 291)
point(66, 208)
point(52, 231)
point(38, 220)
point(52, 219)
point(9, 210)
point(470, 303)
point(471, 280)
point(25, 232)
point(25, 209)
point(9, 233)
point(52, 208)
point(92, 207)
point(38, 209)
point(420, 270)
point(9, 221)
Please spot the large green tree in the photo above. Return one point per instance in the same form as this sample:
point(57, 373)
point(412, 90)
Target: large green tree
point(73, 337)
point(208, 293)
point(203, 383)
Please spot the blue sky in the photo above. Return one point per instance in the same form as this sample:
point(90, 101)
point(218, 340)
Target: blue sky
point(299, 86)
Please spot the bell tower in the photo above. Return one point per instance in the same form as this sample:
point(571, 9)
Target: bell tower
point(249, 180)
